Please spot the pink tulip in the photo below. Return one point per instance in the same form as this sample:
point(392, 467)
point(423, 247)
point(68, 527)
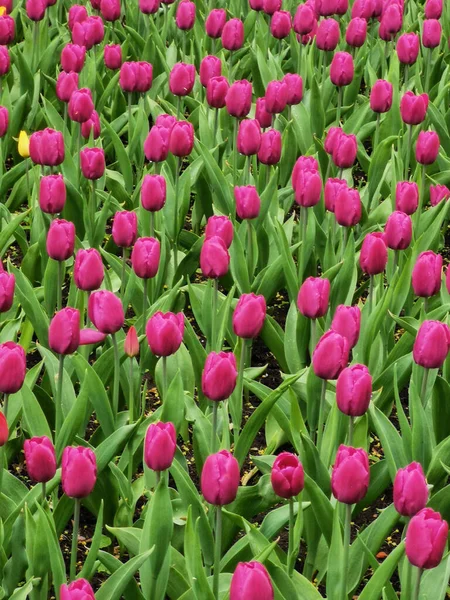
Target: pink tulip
point(249, 316)
point(79, 471)
point(330, 355)
point(410, 490)
point(40, 458)
point(313, 297)
point(160, 446)
point(220, 478)
point(219, 376)
point(350, 475)
point(347, 322)
point(165, 333)
point(287, 475)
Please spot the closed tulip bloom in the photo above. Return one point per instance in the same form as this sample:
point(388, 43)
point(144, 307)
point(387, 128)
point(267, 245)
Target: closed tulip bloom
point(160, 446)
point(166, 121)
point(221, 227)
point(77, 14)
point(185, 15)
point(181, 140)
point(78, 471)
point(145, 257)
point(348, 208)
point(354, 390)
point(427, 147)
point(219, 376)
point(249, 137)
point(332, 189)
point(89, 33)
point(64, 331)
point(149, 7)
point(313, 297)
point(92, 162)
point(233, 34)
point(269, 152)
point(91, 125)
point(256, 5)
point(66, 84)
point(347, 322)
point(216, 92)
point(350, 475)
point(381, 96)
point(88, 270)
point(330, 355)
point(5, 61)
point(239, 99)
point(215, 23)
point(398, 231)
point(413, 109)
point(326, 8)
point(165, 333)
point(407, 197)
point(303, 163)
point(12, 367)
point(128, 76)
point(153, 192)
point(52, 194)
point(373, 256)
point(110, 10)
point(96, 4)
point(131, 343)
point(433, 9)
point(391, 21)
point(81, 105)
point(327, 36)
point(276, 97)
point(356, 33)
point(331, 139)
point(7, 285)
point(251, 581)
point(60, 239)
point(345, 150)
point(342, 69)
point(427, 274)
point(270, 7)
point(7, 30)
point(220, 479)
point(294, 84)
point(124, 229)
point(105, 311)
point(438, 193)
point(40, 458)
point(287, 475)
point(426, 539)
point(431, 34)
point(410, 490)
point(408, 48)
point(156, 145)
point(214, 258)
point(308, 188)
point(211, 66)
point(248, 202)
point(432, 344)
point(80, 589)
point(112, 55)
point(249, 316)
point(362, 9)
point(47, 147)
point(280, 24)
point(262, 115)
point(73, 57)
point(304, 19)
point(36, 9)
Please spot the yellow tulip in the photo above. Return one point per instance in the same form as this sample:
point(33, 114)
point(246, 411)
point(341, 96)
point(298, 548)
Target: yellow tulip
point(2, 11)
point(24, 144)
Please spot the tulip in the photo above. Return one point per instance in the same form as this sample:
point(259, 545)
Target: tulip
point(165, 333)
point(407, 197)
point(342, 69)
point(88, 270)
point(248, 202)
point(294, 85)
point(308, 187)
point(128, 76)
point(36, 9)
point(287, 476)
point(330, 355)
point(363, 9)
point(426, 539)
point(433, 9)
point(215, 23)
point(233, 34)
point(81, 105)
point(354, 390)
point(356, 33)
point(216, 92)
point(211, 66)
point(413, 109)
point(47, 148)
point(153, 192)
point(73, 57)
point(110, 10)
point(91, 336)
point(381, 96)
point(166, 121)
point(156, 145)
point(303, 163)
point(347, 322)
point(12, 368)
point(181, 140)
point(270, 150)
point(79, 471)
point(4, 121)
point(7, 30)
point(5, 61)
point(432, 32)
point(327, 36)
point(7, 285)
point(40, 458)
point(91, 125)
point(331, 139)
point(313, 297)
point(431, 345)
point(220, 479)
point(249, 316)
point(219, 376)
point(427, 274)
point(214, 258)
point(410, 490)
point(182, 79)
point(347, 208)
point(88, 33)
point(160, 446)
point(438, 193)
point(331, 191)
point(251, 580)
point(219, 226)
point(391, 22)
point(249, 137)
point(262, 115)
point(66, 84)
point(350, 475)
point(52, 194)
point(145, 257)
point(398, 231)
point(77, 14)
point(149, 7)
point(92, 162)
point(60, 240)
point(105, 311)
point(239, 99)
point(185, 15)
point(64, 331)
point(124, 229)
point(304, 19)
point(408, 48)
point(96, 4)
point(373, 255)
point(276, 97)
point(280, 24)
point(427, 147)
point(131, 343)
point(78, 589)
point(345, 150)
point(112, 55)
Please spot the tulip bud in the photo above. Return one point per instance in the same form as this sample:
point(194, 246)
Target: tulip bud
point(280, 24)
point(408, 48)
point(308, 187)
point(304, 19)
point(153, 192)
point(12, 367)
point(182, 79)
point(73, 57)
point(248, 202)
point(36, 9)
point(181, 140)
point(313, 297)
point(5, 61)
point(233, 34)
point(332, 190)
point(66, 84)
point(342, 69)
point(391, 22)
point(91, 125)
point(251, 580)
point(270, 7)
point(347, 208)
point(78, 471)
point(165, 333)
point(427, 274)
point(211, 66)
point(222, 227)
point(40, 458)
point(363, 9)
point(327, 36)
point(124, 229)
point(407, 197)
point(413, 109)
point(215, 23)
point(219, 376)
point(263, 117)
point(303, 163)
point(88, 33)
point(426, 539)
point(88, 272)
point(398, 231)
point(270, 150)
point(128, 76)
point(23, 146)
point(427, 147)
point(80, 588)
point(47, 147)
point(432, 344)
point(92, 162)
point(81, 105)
point(214, 258)
point(110, 10)
point(287, 475)
point(381, 96)
point(438, 193)
point(330, 355)
point(105, 311)
point(350, 475)
point(166, 121)
point(249, 137)
point(249, 316)
point(331, 139)
point(149, 7)
point(64, 331)
point(112, 56)
point(433, 9)
point(239, 99)
point(432, 32)
point(345, 150)
point(77, 14)
point(185, 15)
point(373, 256)
point(276, 97)
point(410, 490)
point(220, 479)
point(60, 240)
point(7, 285)
point(216, 92)
point(160, 446)
point(354, 390)
point(131, 343)
point(347, 322)
point(156, 145)
point(356, 33)
point(145, 257)
point(52, 194)
point(7, 30)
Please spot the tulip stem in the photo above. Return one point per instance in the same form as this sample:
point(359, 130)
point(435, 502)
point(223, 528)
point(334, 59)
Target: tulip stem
point(351, 424)
point(299, 66)
point(235, 157)
point(116, 376)
point(395, 260)
point(408, 150)
point(230, 66)
point(213, 341)
point(416, 589)
point(405, 82)
point(144, 305)
point(423, 391)
point(129, 119)
point(44, 492)
point(320, 424)
point(291, 556)
point(313, 334)
point(347, 532)
point(371, 293)
point(124, 266)
point(5, 405)
point(131, 401)
point(428, 69)
point(35, 45)
point(214, 428)
point(217, 549)
point(152, 224)
point(59, 395)
point(178, 107)
point(426, 302)
point(250, 250)
point(76, 526)
point(303, 226)
point(93, 211)
point(164, 376)
point(377, 131)
point(339, 106)
point(237, 426)
point(60, 285)
point(344, 241)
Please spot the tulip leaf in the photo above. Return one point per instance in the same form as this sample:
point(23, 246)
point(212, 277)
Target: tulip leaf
point(113, 588)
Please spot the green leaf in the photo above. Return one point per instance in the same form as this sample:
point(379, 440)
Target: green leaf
point(113, 588)
point(382, 575)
